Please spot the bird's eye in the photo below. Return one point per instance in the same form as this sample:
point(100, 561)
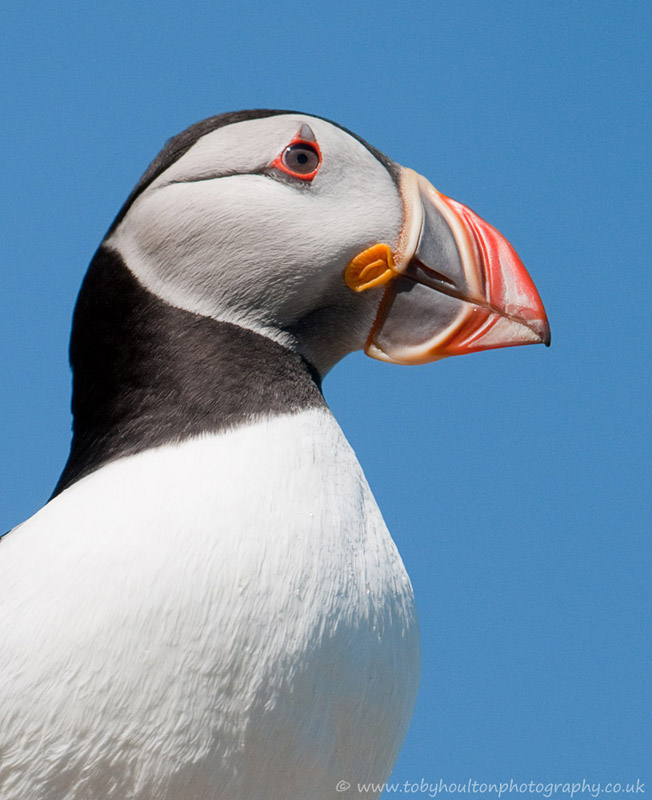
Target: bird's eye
point(301, 158)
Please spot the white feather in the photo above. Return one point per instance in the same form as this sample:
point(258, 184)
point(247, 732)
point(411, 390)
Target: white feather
point(222, 618)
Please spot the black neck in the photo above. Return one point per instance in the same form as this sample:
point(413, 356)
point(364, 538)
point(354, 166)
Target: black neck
point(146, 373)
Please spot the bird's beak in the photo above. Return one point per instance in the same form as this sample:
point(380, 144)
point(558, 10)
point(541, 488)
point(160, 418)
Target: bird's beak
point(453, 284)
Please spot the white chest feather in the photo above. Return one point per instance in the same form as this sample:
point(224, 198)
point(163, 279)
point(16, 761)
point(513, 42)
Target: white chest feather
point(223, 618)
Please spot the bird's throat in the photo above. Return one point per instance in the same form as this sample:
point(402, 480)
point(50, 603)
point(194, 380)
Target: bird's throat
point(146, 373)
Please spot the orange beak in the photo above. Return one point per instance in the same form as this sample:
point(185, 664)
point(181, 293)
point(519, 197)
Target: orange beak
point(454, 286)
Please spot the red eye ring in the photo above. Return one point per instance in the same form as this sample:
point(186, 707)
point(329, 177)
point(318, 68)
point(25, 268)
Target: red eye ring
point(301, 159)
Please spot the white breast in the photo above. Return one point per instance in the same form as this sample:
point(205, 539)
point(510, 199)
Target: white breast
point(223, 618)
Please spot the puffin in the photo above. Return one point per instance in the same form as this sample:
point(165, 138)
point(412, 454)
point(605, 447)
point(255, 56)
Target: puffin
point(210, 605)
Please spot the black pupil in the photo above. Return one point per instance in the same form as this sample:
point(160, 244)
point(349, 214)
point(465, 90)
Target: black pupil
point(301, 158)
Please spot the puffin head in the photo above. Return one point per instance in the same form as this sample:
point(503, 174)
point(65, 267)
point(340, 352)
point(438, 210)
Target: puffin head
point(291, 226)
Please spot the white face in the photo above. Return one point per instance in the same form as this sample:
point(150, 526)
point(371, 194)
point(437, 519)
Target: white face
point(214, 236)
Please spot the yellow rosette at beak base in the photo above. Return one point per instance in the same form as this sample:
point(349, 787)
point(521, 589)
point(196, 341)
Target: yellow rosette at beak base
point(372, 267)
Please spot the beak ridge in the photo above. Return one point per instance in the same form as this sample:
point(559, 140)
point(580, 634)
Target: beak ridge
point(508, 288)
point(462, 289)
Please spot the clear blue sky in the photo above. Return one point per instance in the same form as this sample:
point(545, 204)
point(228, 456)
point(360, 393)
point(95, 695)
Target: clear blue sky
point(516, 482)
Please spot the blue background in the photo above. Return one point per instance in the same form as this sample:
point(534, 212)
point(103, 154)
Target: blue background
point(515, 482)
